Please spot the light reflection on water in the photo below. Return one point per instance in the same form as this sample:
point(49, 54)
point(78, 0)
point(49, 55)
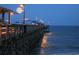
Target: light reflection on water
point(45, 44)
point(44, 41)
point(63, 41)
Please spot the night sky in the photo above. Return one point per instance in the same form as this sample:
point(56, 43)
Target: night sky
point(52, 14)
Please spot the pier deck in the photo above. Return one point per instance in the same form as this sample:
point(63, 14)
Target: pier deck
point(20, 39)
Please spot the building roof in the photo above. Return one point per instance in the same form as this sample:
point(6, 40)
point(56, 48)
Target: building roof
point(6, 10)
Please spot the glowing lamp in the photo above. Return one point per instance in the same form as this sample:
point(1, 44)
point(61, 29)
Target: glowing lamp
point(26, 19)
point(11, 13)
point(19, 10)
point(22, 5)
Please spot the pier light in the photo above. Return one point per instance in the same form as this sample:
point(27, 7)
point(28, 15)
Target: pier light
point(11, 13)
point(26, 19)
point(7, 21)
point(33, 23)
point(41, 21)
point(22, 5)
point(19, 10)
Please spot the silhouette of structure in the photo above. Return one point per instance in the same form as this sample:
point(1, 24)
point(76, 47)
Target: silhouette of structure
point(18, 38)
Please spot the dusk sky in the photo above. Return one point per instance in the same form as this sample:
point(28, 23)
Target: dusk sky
point(52, 14)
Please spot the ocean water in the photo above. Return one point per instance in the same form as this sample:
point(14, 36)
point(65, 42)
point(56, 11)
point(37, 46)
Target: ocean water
point(64, 40)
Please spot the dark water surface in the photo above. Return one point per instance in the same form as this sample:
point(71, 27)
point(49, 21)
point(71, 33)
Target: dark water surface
point(64, 40)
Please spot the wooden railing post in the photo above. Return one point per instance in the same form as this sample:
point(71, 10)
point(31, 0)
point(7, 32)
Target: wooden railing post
point(3, 14)
point(25, 29)
point(0, 31)
point(9, 18)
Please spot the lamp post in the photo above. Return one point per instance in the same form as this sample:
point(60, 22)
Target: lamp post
point(24, 16)
point(21, 9)
point(9, 17)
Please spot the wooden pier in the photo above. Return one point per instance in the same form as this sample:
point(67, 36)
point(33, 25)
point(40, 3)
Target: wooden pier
point(18, 39)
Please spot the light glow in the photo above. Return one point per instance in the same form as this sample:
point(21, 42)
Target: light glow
point(44, 41)
point(11, 13)
point(19, 10)
point(26, 19)
point(22, 5)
